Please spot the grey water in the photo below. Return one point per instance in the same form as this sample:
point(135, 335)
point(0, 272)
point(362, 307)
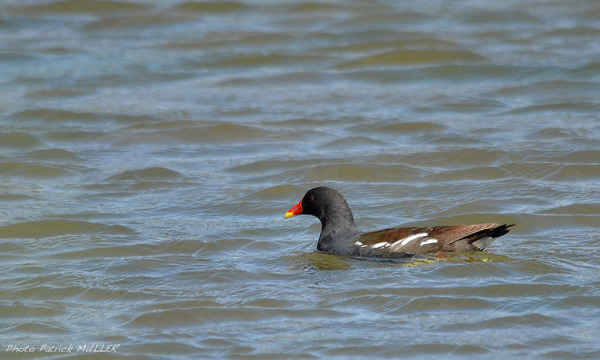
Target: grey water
point(150, 149)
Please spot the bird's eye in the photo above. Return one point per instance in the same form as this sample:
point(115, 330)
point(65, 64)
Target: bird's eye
point(311, 199)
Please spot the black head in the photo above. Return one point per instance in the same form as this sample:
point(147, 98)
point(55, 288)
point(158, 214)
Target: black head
point(323, 202)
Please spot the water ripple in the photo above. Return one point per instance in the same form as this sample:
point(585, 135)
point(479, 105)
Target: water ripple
point(148, 153)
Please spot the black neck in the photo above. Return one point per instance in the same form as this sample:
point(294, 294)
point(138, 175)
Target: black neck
point(338, 231)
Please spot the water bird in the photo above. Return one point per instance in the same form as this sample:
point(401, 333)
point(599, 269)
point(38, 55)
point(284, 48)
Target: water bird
point(340, 236)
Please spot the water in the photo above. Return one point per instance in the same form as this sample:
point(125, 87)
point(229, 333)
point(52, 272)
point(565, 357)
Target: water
point(149, 150)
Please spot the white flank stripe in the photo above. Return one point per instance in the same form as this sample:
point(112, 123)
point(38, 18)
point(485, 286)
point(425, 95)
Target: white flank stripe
point(381, 244)
point(412, 237)
point(428, 241)
point(358, 243)
point(398, 244)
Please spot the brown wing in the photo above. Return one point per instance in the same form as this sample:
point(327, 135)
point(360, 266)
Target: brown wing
point(415, 240)
point(387, 235)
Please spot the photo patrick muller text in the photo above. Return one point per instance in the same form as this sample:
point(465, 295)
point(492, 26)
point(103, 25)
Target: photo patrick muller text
point(68, 349)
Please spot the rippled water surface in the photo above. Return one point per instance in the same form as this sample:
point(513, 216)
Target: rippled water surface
point(149, 150)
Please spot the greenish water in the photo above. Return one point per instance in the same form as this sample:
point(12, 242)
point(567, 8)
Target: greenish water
point(149, 150)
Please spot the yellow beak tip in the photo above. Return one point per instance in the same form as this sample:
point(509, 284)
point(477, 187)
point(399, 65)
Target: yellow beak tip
point(289, 214)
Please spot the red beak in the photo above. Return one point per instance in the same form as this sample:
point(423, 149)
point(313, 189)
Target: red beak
point(296, 210)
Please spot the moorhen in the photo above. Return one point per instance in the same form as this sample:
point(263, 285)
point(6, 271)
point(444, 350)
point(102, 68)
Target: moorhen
point(339, 234)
